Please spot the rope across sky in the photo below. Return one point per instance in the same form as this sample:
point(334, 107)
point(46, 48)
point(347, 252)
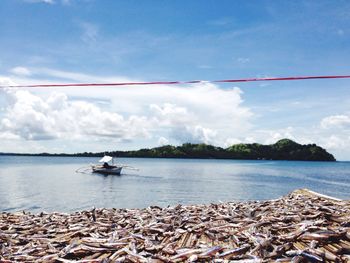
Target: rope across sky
point(172, 82)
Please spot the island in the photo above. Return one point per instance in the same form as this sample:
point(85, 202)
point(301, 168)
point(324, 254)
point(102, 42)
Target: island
point(284, 149)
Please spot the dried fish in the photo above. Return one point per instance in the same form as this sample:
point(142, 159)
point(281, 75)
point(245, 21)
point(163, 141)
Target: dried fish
point(300, 227)
point(235, 251)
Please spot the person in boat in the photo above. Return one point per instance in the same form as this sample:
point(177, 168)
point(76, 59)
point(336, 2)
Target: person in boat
point(106, 165)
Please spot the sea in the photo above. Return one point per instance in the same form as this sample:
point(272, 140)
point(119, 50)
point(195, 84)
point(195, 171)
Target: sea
point(64, 184)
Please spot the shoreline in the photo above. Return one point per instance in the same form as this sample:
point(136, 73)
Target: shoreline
point(284, 149)
point(169, 158)
point(303, 225)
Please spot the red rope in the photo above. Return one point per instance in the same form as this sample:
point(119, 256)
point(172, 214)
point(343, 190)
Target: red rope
point(172, 82)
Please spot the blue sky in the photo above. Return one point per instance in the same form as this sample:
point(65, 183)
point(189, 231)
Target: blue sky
point(47, 41)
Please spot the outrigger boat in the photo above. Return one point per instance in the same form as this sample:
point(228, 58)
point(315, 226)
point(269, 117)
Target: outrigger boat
point(107, 168)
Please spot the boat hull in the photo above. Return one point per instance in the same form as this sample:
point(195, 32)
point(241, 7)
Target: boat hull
point(114, 170)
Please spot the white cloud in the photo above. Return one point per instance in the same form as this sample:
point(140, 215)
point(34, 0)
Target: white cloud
point(279, 134)
point(243, 60)
point(231, 141)
point(195, 134)
point(338, 144)
point(335, 142)
point(21, 71)
point(6, 81)
point(163, 141)
point(64, 2)
point(40, 1)
point(170, 114)
point(189, 113)
point(334, 135)
point(335, 121)
point(32, 117)
point(63, 76)
point(267, 136)
point(182, 124)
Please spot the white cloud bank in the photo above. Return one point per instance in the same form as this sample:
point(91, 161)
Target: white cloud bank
point(336, 135)
point(336, 121)
point(32, 117)
point(51, 2)
point(40, 1)
point(21, 71)
point(165, 114)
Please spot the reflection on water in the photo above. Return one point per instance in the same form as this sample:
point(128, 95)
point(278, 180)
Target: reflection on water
point(51, 184)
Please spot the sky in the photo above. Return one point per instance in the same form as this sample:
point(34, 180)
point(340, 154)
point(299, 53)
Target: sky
point(77, 41)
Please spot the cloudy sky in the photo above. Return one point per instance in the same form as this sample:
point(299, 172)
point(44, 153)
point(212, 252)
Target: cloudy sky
point(65, 41)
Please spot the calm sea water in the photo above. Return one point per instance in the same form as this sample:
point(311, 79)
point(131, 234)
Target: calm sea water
point(51, 183)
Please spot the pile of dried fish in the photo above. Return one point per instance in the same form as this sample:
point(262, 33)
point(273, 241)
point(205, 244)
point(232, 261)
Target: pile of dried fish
point(300, 227)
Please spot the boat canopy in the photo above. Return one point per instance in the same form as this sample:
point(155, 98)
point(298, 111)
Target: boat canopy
point(106, 159)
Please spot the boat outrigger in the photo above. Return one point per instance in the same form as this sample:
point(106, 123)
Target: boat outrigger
point(107, 168)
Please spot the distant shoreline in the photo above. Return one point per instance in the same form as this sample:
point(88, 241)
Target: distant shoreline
point(283, 150)
point(147, 157)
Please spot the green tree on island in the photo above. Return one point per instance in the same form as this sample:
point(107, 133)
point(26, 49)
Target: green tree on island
point(284, 149)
